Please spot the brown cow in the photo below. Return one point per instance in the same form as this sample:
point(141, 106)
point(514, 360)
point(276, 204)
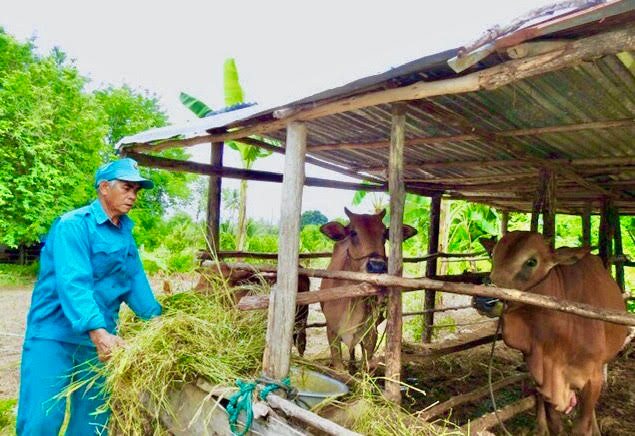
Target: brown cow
point(241, 282)
point(359, 246)
point(563, 352)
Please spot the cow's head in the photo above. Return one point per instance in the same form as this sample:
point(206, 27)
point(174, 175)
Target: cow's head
point(522, 259)
point(363, 240)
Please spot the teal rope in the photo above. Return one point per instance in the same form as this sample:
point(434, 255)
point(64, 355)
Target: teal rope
point(241, 400)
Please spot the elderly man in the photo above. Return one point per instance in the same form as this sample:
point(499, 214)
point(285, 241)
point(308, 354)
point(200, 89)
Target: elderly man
point(88, 266)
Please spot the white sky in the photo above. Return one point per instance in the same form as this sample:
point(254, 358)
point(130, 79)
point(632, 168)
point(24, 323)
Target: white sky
point(283, 49)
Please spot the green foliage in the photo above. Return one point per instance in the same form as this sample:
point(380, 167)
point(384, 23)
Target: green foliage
point(199, 108)
point(312, 217)
point(51, 139)
point(7, 416)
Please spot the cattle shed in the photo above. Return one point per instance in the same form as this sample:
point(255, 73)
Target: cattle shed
point(537, 116)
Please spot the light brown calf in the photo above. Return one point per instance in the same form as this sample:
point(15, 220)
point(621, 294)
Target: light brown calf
point(359, 246)
point(564, 353)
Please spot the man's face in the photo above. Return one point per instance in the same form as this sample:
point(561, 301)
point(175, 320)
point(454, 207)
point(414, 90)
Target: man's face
point(119, 196)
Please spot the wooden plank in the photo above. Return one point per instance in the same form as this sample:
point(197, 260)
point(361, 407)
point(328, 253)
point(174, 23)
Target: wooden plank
point(581, 309)
point(604, 241)
point(586, 226)
point(204, 255)
point(470, 397)
point(283, 295)
point(619, 251)
point(431, 266)
point(243, 174)
point(427, 355)
point(504, 222)
point(308, 417)
point(397, 198)
point(214, 199)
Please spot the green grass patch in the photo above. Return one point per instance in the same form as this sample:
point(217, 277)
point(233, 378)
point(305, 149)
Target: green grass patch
point(7, 416)
point(18, 275)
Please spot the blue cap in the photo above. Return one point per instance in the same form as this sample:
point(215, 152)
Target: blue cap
point(123, 169)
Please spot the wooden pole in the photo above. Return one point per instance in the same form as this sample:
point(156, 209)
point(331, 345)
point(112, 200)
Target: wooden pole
point(476, 426)
point(618, 249)
point(504, 222)
point(586, 226)
point(214, 200)
point(470, 397)
point(283, 295)
point(604, 239)
point(549, 206)
point(397, 197)
point(431, 266)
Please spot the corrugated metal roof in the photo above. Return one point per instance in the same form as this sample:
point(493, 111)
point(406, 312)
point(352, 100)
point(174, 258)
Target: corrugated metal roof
point(596, 91)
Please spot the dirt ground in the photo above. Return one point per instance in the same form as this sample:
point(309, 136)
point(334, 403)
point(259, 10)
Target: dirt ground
point(440, 379)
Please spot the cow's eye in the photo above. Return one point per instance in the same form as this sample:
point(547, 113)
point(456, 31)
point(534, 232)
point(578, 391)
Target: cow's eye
point(531, 262)
point(353, 233)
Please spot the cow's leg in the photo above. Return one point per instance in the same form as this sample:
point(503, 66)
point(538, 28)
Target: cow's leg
point(588, 398)
point(554, 420)
point(336, 349)
point(368, 346)
point(541, 416)
point(351, 357)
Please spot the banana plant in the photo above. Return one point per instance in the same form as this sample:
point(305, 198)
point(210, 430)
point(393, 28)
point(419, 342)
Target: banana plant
point(234, 98)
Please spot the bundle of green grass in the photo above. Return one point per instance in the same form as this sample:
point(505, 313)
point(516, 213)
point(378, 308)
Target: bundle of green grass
point(198, 335)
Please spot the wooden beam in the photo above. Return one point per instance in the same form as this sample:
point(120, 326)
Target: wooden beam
point(504, 222)
point(581, 309)
point(427, 165)
point(214, 199)
point(491, 78)
point(242, 174)
point(283, 296)
point(431, 266)
point(604, 238)
point(397, 198)
point(442, 139)
point(586, 226)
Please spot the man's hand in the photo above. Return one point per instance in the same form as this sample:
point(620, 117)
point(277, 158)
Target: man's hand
point(105, 343)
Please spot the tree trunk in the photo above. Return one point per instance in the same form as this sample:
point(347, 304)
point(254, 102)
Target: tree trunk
point(241, 226)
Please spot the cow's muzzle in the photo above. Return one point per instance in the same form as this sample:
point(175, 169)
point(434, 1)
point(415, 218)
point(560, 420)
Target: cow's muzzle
point(376, 264)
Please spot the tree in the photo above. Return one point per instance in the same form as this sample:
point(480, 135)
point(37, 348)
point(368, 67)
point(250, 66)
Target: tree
point(51, 140)
point(234, 98)
point(312, 217)
point(127, 112)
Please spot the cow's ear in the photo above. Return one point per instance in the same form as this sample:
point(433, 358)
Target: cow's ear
point(334, 230)
point(569, 255)
point(489, 244)
point(382, 214)
point(408, 232)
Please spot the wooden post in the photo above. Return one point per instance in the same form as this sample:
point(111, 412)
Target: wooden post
point(504, 222)
point(397, 198)
point(604, 240)
point(213, 200)
point(549, 205)
point(431, 266)
point(282, 300)
point(618, 250)
point(586, 227)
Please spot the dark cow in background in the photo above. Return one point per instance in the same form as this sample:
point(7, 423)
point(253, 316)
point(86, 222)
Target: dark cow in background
point(359, 246)
point(240, 282)
point(563, 352)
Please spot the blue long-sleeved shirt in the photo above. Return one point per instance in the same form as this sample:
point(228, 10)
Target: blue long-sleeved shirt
point(88, 267)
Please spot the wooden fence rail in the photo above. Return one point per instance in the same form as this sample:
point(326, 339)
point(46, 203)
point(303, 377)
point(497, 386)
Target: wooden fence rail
point(410, 284)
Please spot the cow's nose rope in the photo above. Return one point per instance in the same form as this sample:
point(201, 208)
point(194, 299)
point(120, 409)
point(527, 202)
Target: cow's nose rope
point(373, 254)
point(489, 377)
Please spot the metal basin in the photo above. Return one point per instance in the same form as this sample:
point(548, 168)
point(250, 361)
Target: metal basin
point(315, 387)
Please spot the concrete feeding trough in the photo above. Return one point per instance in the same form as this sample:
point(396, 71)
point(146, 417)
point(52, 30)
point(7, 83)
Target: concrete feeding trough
point(315, 387)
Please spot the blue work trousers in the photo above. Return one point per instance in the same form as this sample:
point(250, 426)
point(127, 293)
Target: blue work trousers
point(47, 368)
